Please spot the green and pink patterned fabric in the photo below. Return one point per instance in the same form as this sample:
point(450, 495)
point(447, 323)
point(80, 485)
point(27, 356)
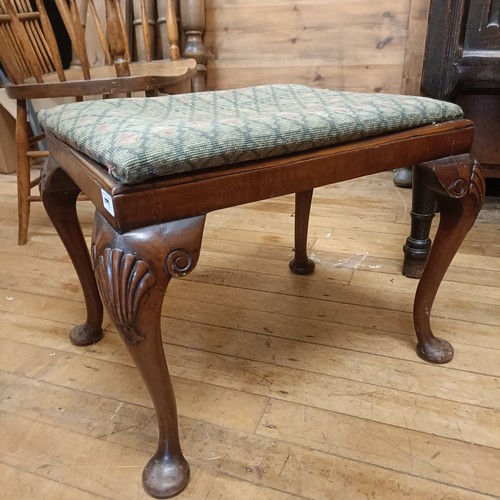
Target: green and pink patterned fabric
point(137, 139)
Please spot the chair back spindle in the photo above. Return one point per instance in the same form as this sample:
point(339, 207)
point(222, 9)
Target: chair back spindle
point(116, 30)
point(29, 52)
point(144, 29)
point(172, 32)
point(101, 32)
point(48, 34)
point(76, 31)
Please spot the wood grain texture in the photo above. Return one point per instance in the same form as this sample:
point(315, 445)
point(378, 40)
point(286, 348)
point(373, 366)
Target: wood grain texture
point(286, 386)
point(356, 45)
point(415, 47)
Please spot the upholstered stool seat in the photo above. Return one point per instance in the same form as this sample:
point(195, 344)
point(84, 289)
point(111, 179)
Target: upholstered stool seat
point(142, 138)
point(154, 167)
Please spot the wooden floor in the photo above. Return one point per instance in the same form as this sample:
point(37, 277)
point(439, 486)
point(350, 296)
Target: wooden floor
point(287, 386)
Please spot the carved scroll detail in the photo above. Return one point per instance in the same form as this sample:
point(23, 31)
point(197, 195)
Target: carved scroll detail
point(124, 280)
point(466, 178)
point(179, 262)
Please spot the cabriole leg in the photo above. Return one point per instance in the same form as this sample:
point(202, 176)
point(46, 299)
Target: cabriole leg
point(59, 194)
point(133, 271)
point(458, 184)
point(301, 263)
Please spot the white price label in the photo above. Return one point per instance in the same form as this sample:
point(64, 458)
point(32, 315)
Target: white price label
point(107, 201)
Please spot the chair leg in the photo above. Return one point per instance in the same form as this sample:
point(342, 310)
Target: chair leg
point(418, 244)
point(59, 195)
point(458, 184)
point(301, 263)
point(23, 173)
point(133, 271)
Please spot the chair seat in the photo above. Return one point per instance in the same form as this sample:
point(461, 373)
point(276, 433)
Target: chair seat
point(143, 138)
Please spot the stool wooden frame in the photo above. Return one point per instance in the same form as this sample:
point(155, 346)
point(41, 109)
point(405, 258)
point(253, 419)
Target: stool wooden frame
point(146, 234)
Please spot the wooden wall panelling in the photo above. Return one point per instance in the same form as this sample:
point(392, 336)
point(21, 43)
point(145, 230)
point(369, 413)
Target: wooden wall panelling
point(415, 47)
point(356, 45)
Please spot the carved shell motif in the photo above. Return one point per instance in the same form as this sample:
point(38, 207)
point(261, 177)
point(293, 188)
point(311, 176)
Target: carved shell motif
point(477, 184)
point(123, 280)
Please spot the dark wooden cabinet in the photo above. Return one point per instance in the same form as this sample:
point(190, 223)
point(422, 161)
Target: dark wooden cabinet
point(462, 63)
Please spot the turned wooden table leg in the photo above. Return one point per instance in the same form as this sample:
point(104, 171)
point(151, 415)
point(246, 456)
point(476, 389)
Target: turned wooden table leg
point(418, 244)
point(301, 263)
point(133, 271)
point(458, 184)
point(59, 195)
point(193, 24)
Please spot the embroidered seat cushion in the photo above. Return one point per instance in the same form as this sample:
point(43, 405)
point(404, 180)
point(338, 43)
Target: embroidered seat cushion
point(141, 138)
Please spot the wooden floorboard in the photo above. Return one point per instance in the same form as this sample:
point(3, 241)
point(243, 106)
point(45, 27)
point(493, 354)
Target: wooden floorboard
point(287, 387)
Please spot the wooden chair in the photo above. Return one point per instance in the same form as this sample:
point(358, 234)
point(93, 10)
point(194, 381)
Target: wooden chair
point(154, 167)
point(31, 58)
